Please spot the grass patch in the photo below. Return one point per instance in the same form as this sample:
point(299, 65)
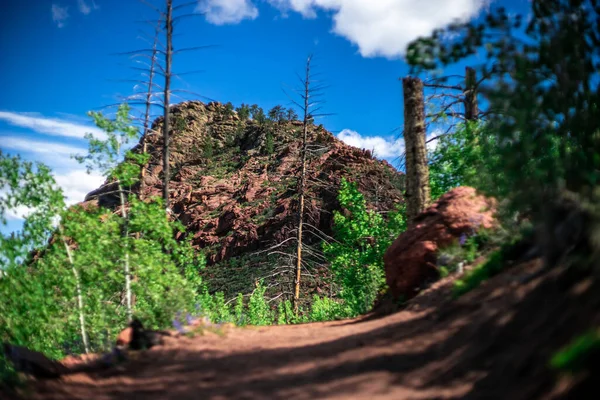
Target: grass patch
point(572, 358)
point(497, 262)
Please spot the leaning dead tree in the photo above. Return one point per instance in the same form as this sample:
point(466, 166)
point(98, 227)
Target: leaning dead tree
point(417, 171)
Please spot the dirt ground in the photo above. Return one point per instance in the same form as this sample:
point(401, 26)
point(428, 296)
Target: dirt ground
point(492, 343)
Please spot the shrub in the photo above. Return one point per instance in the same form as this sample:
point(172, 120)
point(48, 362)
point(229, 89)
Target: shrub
point(357, 255)
point(572, 357)
point(259, 312)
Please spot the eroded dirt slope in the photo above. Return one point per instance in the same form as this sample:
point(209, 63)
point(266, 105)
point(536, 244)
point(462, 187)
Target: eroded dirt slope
point(493, 343)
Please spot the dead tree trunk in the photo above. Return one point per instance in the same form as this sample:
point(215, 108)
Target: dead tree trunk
point(149, 97)
point(168, 56)
point(417, 171)
point(470, 99)
point(302, 185)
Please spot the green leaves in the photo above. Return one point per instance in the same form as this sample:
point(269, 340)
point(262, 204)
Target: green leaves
point(465, 157)
point(542, 93)
point(74, 282)
point(109, 156)
point(362, 236)
point(25, 185)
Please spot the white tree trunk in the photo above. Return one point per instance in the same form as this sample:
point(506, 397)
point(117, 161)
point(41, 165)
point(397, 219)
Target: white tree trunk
point(126, 264)
point(86, 344)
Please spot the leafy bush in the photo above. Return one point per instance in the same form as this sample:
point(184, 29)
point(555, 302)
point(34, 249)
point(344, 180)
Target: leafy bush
point(460, 159)
point(326, 309)
point(496, 262)
point(357, 254)
point(544, 118)
point(269, 143)
point(259, 312)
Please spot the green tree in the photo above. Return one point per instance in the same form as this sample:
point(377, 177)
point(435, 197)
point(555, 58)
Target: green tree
point(243, 111)
point(258, 114)
point(34, 187)
point(460, 160)
point(106, 156)
point(356, 256)
point(291, 115)
point(228, 109)
point(543, 100)
point(269, 143)
point(277, 114)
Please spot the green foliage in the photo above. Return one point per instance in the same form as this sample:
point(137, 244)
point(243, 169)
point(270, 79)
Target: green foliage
point(228, 110)
point(208, 149)
point(460, 159)
point(31, 186)
point(259, 312)
point(269, 143)
point(467, 248)
point(291, 115)
point(40, 307)
point(496, 262)
point(357, 254)
point(545, 124)
point(243, 111)
point(277, 114)
point(258, 114)
point(179, 123)
point(326, 309)
point(573, 357)
point(238, 311)
point(109, 156)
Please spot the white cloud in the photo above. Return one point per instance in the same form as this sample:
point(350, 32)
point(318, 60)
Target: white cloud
point(383, 148)
point(76, 184)
point(385, 27)
point(39, 147)
point(221, 12)
point(84, 8)
point(59, 15)
point(304, 7)
point(55, 155)
point(50, 126)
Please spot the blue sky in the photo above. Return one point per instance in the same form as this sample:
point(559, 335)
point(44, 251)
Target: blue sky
point(58, 63)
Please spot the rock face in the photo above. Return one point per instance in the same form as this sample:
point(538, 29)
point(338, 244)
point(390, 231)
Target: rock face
point(236, 196)
point(410, 262)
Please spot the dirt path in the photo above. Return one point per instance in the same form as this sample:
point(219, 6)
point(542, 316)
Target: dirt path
point(493, 343)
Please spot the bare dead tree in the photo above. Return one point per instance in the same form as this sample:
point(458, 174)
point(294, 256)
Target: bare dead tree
point(417, 170)
point(164, 69)
point(146, 123)
point(167, 98)
point(302, 183)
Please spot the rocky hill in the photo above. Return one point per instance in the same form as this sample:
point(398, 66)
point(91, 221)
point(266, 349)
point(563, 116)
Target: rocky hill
point(234, 187)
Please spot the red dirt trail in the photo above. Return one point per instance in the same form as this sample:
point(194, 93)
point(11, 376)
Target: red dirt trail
point(492, 343)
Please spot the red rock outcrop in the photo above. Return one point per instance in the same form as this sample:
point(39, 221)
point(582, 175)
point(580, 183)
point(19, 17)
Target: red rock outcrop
point(410, 261)
point(238, 197)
